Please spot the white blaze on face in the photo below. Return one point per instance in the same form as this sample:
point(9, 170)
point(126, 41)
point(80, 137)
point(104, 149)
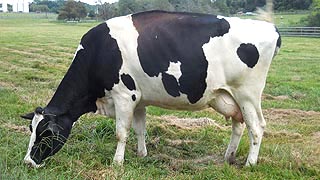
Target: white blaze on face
point(174, 70)
point(78, 49)
point(35, 121)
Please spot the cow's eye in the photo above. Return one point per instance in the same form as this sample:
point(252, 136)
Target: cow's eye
point(30, 127)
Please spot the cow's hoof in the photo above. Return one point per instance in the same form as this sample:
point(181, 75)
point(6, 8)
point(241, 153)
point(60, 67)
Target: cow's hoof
point(231, 160)
point(250, 163)
point(142, 154)
point(117, 162)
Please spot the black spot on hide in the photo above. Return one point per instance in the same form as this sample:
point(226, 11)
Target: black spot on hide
point(248, 54)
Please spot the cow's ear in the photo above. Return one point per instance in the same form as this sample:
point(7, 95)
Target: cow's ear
point(28, 116)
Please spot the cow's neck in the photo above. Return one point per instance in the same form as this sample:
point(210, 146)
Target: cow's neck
point(73, 96)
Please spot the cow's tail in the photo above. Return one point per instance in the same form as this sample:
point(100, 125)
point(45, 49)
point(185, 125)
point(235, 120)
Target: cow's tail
point(267, 13)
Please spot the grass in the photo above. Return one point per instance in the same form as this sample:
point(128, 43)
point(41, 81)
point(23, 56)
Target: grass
point(295, 73)
point(285, 20)
point(34, 55)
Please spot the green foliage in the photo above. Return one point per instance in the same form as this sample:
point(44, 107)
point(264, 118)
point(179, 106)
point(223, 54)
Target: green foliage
point(53, 6)
point(107, 11)
point(286, 5)
point(91, 14)
point(124, 7)
point(38, 8)
point(245, 6)
point(314, 17)
point(222, 7)
point(72, 10)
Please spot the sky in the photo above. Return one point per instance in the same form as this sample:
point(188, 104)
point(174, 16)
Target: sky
point(92, 2)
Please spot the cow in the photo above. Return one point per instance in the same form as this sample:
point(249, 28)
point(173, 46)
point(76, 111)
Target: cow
point(173, 60)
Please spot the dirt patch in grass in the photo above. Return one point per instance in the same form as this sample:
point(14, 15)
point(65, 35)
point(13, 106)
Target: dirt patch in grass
point(281, 133)
point(287, 115)
point(316, 136)
point(178, 142)
point(6, 85)
point(111, 172)
point(100, 174)
point(25, 53)
point(177, 164)
point(190, 123)
point(279, 98)
point(16, 128)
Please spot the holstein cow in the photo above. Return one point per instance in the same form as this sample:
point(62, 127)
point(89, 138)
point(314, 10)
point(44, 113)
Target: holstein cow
point(183, 61)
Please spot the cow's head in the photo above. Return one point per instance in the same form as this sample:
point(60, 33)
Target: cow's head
point(49, 132)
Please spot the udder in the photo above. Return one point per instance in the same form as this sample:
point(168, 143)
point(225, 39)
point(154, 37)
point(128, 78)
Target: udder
point(226, 105)
point(105, 106)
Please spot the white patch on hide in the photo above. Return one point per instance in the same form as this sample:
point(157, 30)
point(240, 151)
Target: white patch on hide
point(35, 121)
point(174, 70)
point(78, 49)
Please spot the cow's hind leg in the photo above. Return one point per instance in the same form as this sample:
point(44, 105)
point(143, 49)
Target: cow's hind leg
point(253, 118)
point(237, 131)
point(139, 125)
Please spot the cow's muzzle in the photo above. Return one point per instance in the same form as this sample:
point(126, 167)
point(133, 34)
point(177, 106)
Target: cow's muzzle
point(31, 162)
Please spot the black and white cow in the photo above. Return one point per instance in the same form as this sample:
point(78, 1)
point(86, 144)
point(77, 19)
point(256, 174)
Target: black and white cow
point(173, 60)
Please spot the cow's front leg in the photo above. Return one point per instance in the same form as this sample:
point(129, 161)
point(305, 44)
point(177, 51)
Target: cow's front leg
point(139, 125)
point(237, 131)
point(124, 116)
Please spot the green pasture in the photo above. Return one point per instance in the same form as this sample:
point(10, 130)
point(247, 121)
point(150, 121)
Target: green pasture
point(35, 53)
point(295, 20)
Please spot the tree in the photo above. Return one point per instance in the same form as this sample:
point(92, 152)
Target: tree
point(38, 8)
point(107, 11)
point(53, 6)
point(285, 5)
point(161, 5)
point(72, 11)
point(314, 17)
point(127, 6)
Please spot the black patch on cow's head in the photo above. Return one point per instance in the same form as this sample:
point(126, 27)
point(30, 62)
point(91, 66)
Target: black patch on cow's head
point(248, 54)
point(51, 134)
point(128, 82)
point(166, 37)
point(133, 97)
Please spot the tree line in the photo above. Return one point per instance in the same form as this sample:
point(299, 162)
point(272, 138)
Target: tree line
point(225, 7)
point(73, 10)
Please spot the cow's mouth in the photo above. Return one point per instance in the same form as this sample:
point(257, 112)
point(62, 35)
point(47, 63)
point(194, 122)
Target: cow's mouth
point(31, 163)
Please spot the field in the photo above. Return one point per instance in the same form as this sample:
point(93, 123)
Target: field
point(35, 54)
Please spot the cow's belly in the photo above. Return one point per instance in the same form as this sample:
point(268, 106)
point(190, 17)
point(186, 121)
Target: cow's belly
point(220, 100)
point(175, 104)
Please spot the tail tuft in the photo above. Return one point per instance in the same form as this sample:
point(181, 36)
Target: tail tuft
point(267, 14)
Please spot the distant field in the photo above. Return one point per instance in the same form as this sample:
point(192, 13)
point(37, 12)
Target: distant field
point(285, 20)
point(34, 55)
